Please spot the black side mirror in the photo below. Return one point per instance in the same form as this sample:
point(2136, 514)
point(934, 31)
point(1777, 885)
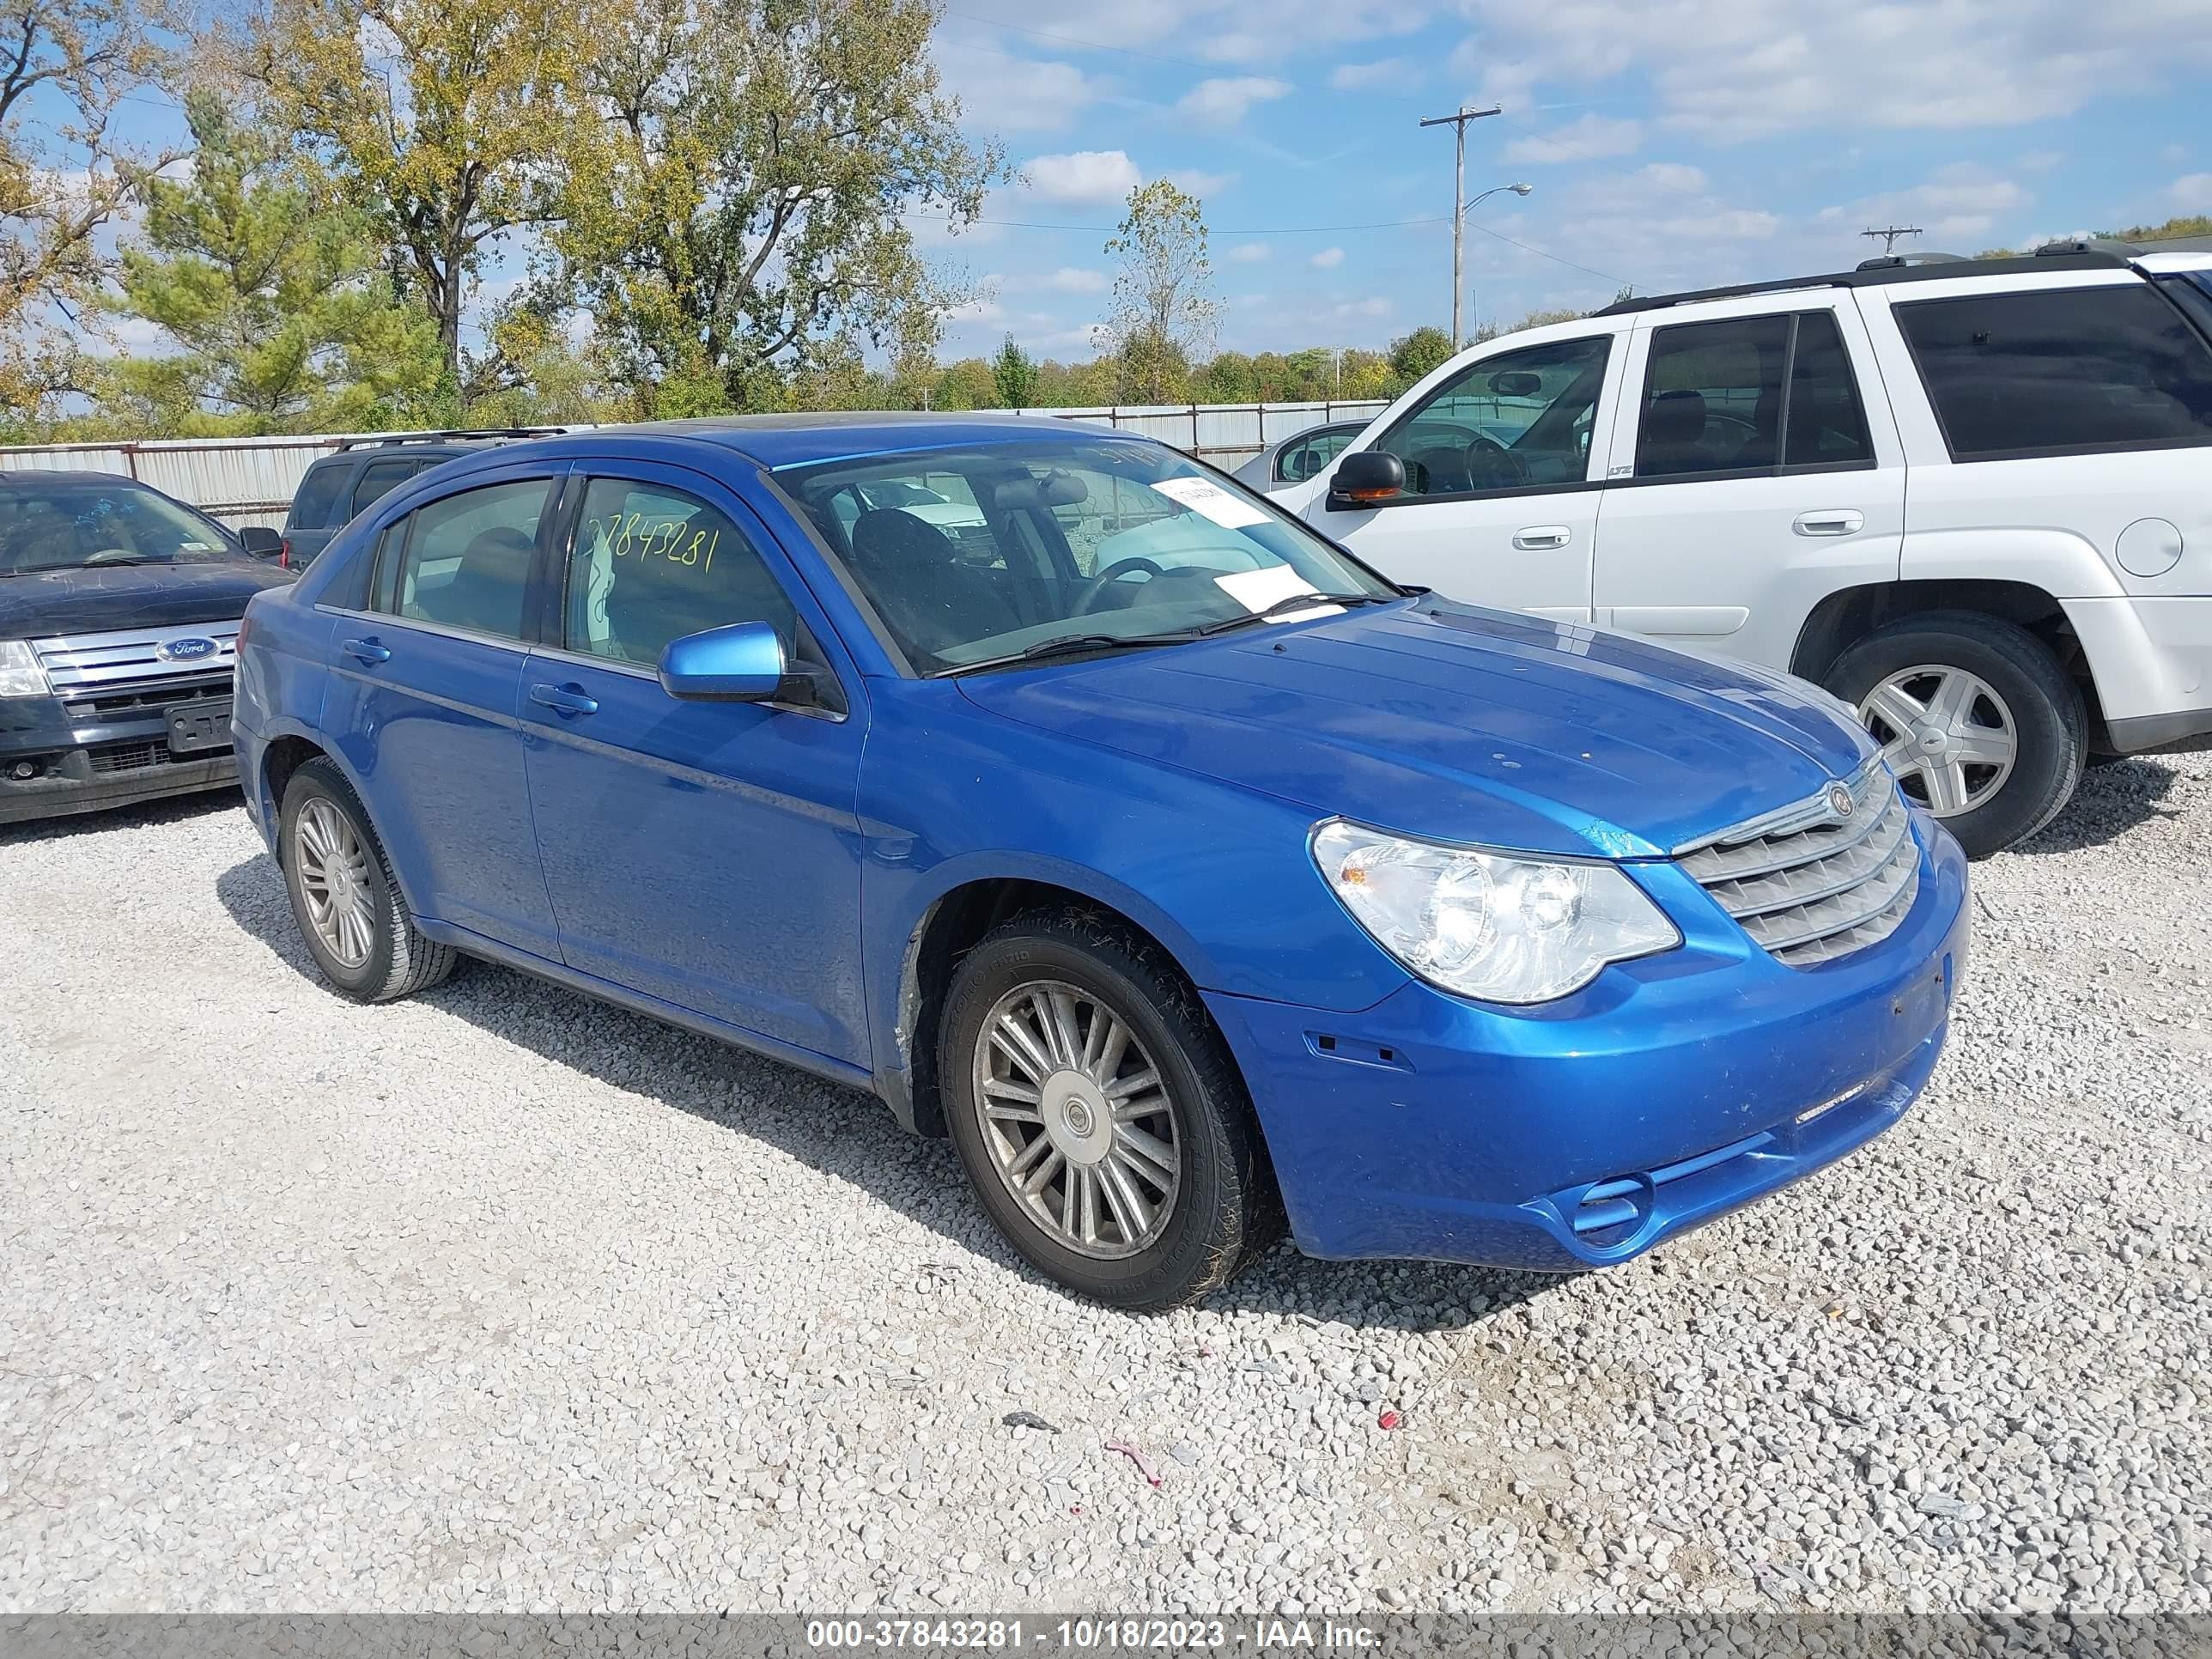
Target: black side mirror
point(1516, 383)
point(1366, 476)
point(261, 541)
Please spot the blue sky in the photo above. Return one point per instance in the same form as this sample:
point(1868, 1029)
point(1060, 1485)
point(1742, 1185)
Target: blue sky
point(1670, 143)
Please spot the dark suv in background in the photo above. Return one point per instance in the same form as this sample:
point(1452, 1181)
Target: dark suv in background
point(120, 615)
point(357, 472)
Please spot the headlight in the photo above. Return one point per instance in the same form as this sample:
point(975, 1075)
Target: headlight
point(1487, 925)
point(19, 673)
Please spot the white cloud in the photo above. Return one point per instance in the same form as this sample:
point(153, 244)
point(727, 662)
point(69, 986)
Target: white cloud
point(1001, 92)
point(1352, 310)
point(1957, 204)
point(1248, 253)
point(2173, 154)
point(1085, 177)
point(1328, 259)
point(1729, 71)
point(1583, 140)
point(2192, 192)
point(1068, 279)
point(1224, 100)
point(1385, 75)
point(1673, 175)
point(1200, 185)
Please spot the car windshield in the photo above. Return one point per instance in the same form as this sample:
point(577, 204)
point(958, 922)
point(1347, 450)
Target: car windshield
point(1009, 551)
point(68, 526)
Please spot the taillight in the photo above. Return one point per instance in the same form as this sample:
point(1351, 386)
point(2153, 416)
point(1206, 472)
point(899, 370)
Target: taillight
point(284, 552)
point(237, 645)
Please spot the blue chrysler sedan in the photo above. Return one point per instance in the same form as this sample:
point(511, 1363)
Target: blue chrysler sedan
point(1087, 808)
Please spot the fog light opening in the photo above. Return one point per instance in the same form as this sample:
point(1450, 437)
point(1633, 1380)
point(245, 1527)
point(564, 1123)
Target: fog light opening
point(1612, 1211)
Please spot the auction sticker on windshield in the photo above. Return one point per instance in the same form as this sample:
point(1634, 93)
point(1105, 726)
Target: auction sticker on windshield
point(1255, 590)
point(1203, 496)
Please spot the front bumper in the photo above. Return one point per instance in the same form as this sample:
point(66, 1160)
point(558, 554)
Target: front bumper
point(1669, 1091)
point(119, 762)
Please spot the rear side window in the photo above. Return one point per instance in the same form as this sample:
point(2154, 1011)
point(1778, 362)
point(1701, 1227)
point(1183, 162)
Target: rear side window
point(1750, 394)
point(652, 564)
point(2062, 371)
point(316, 505)
point(466, 563)
point(379, 477)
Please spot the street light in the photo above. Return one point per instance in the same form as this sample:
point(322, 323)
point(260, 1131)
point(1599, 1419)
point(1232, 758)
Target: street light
point(1469, 206)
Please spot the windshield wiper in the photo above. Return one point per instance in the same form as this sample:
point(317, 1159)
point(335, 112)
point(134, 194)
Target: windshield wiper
point(1296, 602)
point(1067, 645)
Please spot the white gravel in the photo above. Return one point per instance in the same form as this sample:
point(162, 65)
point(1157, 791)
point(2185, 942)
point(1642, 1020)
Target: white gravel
point(501, 1299)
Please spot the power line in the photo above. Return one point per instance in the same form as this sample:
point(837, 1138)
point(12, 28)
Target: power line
point(1889, 234)
point(1530, 247)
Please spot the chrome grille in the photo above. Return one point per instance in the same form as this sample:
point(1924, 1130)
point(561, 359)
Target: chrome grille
point(1809, 884)
point(131, 660)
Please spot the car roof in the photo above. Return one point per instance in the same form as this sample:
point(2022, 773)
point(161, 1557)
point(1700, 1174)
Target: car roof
point(87, 475)
point(1884, 273)
point(773, 442)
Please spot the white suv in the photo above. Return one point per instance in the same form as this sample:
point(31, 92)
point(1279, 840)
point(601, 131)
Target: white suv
point(1973, 499)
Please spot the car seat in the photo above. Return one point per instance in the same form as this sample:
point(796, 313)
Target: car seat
point(912, 574)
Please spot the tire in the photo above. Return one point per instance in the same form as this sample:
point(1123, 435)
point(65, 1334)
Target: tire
point(1222, 1210)
point(2048, 727)
point(386, 955)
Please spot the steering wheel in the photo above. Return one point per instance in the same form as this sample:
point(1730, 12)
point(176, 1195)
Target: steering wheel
point(1093, 590)
point(1492, 465)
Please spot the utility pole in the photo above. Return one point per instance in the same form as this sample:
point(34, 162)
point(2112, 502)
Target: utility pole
point(1458, 124)
point(1889, 234)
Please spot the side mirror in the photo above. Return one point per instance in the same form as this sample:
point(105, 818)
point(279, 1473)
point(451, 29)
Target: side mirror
point(261, 541)
point(1516, 383)
point(742, 662)
point(1366, 476)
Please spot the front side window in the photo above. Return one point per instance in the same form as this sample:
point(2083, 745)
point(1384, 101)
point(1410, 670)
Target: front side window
point(975, 555)
point(650, 564)
point(2061, 369)
point(71, 525)
point(465, 561)
point(1518, 419)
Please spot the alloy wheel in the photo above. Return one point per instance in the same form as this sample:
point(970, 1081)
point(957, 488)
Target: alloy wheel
point(334, 881)
point(1946, 734)
point(1077, 1120)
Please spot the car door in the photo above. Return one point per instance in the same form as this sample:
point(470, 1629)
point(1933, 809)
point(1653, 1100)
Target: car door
point(423, 695)
point(1504, 457)
point(703, 853)
point(1757, 471)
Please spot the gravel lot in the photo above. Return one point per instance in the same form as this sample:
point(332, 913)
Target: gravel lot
point(501, 1299)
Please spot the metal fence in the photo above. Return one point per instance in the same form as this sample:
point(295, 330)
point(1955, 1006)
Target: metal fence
point(243, 481)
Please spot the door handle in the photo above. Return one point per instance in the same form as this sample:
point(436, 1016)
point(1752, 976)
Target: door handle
point(1830, 521)
point(368, 650)
point(564, 699)
point(1538, 536)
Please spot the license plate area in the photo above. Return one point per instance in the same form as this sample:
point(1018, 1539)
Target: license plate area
point(195, 728)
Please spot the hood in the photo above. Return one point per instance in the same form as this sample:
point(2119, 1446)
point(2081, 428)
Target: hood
point(101, 599)
point(1458, 723)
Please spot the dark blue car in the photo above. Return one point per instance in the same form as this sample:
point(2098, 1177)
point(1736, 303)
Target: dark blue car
point(1088, 810)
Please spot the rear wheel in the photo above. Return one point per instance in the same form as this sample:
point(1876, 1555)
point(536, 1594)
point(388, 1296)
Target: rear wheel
point(344, 898)
point(1976, 717)
point(1100, 1116)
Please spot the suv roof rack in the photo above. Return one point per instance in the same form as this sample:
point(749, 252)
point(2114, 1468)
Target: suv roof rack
point(1917, 257)
point(1885, 271)
point(378, 440)
point(2090, 245)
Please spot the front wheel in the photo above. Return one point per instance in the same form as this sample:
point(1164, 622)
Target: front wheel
point(1101, 1119)
point(1977, 719)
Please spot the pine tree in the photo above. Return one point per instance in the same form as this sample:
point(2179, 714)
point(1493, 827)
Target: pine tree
point(1017, 376)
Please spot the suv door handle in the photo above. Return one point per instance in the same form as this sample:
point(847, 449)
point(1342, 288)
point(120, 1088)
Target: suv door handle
point(564, 699)
point(368, 650)
point(1538, 536)
point(1830, 521)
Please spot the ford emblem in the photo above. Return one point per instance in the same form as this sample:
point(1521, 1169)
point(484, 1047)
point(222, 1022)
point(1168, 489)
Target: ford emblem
point(186, 650)
point(1840, 800)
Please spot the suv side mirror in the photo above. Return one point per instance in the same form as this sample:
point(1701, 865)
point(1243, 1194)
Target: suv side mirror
point(1366, 476)
point(1516, 383)
point(260, 541)
point(742, 662)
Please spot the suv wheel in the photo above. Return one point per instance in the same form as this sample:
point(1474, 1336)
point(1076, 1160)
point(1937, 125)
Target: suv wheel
point(344, 898)
point(1979, 722)
point(1101, 1119)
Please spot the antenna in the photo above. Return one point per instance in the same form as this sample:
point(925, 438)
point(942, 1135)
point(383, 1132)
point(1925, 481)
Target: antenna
point(1889, 234)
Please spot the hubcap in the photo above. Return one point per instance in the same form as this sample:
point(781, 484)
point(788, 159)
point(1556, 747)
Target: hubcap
point(334, 881)
point(1078, 1125)
point(1946, 734)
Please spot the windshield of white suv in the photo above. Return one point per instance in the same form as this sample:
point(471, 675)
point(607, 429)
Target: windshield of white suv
point(71, 524)
point(1012, 552)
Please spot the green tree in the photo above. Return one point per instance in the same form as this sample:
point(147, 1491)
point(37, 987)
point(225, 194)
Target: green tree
point(65, 68)
point(1415, 355)
point(1016, 376)
point(1163, 306)
point(276, 308)
point(971, 383)
point(742, 216)
point(453, 120)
